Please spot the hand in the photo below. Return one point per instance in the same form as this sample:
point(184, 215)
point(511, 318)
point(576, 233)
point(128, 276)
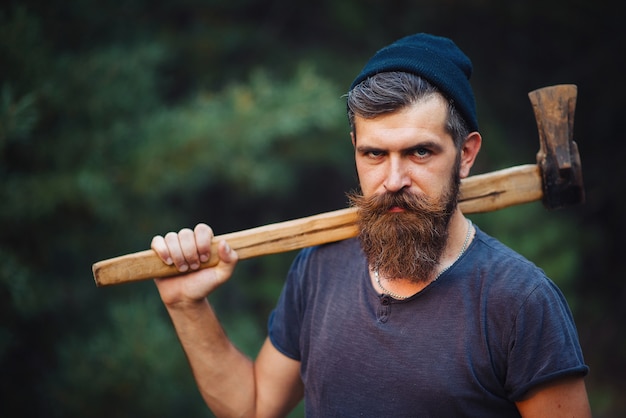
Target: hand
point(186, 250)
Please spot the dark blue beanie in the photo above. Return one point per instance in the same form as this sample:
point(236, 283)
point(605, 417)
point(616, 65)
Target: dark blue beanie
point(434, 58)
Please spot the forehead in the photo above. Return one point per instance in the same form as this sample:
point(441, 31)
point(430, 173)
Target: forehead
point(424, 120)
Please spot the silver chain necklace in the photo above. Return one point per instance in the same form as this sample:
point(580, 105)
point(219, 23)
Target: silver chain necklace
point(396, 296)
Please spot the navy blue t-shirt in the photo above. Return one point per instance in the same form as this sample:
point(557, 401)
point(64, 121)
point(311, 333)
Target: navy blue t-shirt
point(470, 344)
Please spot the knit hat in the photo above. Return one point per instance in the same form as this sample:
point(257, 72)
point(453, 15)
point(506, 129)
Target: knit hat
point(434, 58)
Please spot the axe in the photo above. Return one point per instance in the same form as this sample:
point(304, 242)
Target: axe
point(556, 179)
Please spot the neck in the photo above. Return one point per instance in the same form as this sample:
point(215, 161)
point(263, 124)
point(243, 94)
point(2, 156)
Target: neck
point(458, 230)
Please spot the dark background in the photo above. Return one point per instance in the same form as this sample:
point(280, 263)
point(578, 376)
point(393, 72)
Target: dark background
point(121, 120)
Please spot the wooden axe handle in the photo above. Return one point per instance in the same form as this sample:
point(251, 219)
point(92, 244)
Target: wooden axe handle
point(480, 193)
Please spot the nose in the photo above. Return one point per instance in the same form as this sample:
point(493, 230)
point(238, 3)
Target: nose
point(398, 176)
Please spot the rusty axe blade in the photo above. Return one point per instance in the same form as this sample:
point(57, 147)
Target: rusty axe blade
point(557, 179)
point(558, 155)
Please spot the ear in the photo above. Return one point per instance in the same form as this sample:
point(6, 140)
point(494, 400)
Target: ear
point(469, 151)
point(353, 138)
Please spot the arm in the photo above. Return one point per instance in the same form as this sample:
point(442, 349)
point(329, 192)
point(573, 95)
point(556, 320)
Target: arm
point(560, 398)
point(230, 383)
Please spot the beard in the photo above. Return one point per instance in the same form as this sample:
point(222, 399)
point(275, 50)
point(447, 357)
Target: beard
point(407, 244)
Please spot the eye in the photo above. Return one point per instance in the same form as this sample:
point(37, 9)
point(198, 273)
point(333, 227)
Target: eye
point(422, 152)
point(374, 154)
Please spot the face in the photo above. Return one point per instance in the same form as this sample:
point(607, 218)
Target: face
point(409, 149)
point(409, 170)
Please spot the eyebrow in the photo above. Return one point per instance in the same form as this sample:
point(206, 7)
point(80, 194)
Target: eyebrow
point(363, 149)
point(426, 144)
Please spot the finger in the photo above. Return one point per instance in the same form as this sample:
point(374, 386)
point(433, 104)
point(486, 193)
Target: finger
point(228, 257)
point(188, 246)
point(228, 260)
point(204, 235)
point(160, 247)
point(176, 253)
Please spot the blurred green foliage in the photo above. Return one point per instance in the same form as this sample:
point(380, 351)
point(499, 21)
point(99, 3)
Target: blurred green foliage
point(122, 120)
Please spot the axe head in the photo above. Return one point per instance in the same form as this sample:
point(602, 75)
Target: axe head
point(558, 156)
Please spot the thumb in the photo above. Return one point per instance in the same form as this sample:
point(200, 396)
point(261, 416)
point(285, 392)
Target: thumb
point(227, 259)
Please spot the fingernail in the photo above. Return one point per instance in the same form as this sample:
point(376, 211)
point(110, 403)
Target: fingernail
point(195, 266)
point(227, 247)
point(183, 268)
point(169, 261)
point(204, 258)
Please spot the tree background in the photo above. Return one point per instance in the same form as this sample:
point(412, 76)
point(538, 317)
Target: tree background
point(121, 120)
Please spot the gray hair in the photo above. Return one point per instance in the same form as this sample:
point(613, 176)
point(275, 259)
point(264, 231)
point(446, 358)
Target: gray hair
point(391, 91)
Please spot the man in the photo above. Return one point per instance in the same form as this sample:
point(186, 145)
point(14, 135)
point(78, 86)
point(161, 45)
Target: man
point(422, 315)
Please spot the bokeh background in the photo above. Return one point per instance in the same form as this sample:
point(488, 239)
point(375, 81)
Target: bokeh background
point(123, 119)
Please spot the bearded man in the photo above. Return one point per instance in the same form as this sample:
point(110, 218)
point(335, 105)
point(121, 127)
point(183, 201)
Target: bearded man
point(424, 314)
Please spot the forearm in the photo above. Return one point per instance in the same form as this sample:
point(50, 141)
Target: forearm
point(225, 377)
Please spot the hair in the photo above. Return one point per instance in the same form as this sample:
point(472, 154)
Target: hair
point(388, 92)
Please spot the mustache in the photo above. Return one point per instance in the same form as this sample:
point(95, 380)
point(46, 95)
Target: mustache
point(381, 204)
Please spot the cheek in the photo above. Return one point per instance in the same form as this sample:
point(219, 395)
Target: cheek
point(368, 179)
point(430, 183)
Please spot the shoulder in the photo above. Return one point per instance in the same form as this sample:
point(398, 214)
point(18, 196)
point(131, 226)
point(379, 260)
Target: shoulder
point(502, 265)
point(505, 278)
point(336, 255)
point(348, 247)
point(513, 287)
point(493, 250)
point(320, 265)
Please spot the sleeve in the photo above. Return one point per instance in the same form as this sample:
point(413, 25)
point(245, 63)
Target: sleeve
point(285, 321)
point(543, 344)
